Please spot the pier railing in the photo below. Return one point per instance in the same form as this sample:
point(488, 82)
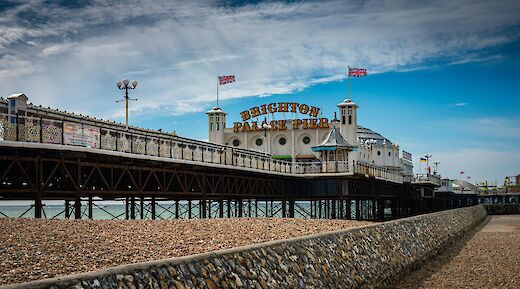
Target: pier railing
point(159, 144)
point(377, 172)
point(427, 178)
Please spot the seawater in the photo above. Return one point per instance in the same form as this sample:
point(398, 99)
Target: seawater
point(113, 210)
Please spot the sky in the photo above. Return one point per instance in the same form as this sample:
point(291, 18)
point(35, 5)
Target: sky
point(442, 75)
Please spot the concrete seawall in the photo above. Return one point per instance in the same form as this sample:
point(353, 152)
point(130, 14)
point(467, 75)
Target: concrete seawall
point(503, 209)
point(371, 256)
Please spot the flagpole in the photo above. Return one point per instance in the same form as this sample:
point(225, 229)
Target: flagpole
point(348, 83)
point(217, 89)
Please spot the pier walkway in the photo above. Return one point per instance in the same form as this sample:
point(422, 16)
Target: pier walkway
point(487, 258)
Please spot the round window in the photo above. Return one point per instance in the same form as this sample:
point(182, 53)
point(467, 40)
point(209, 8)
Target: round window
point(378, 153)
point(282, 141)
point(236, 142)
point(306, 140)
point(259, 141)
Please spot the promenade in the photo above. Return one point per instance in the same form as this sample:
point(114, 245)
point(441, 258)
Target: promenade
point(488, 257)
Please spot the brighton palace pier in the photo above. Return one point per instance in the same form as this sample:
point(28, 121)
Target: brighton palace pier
point(263, 165)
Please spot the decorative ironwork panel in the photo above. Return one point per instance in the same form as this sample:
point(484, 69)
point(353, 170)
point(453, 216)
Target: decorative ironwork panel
point(32, 130)
point(108, 141)
point(123, 143)
point(152, 147)
point(52, 131)
point(197, 154)
point(138, 145)
point(165, 149)
point(177, 151)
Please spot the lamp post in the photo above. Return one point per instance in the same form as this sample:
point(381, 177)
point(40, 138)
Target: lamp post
point(436, 167)
point(428, 157)
point(126, 85)
point(265, 127)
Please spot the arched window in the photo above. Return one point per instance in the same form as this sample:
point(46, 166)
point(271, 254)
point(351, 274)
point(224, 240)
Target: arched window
point(350, 119)
point(218, 125)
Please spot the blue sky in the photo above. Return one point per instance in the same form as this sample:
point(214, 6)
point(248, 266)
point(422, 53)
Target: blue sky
point(442, 75)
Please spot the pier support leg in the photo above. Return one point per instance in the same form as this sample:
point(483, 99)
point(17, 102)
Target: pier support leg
point(284, 213)
point(153, 208)
point(90, 211)
point(67, 209)
point(77, 208)
point(141, 208)
point(189, 209)
point(240, 208)
point(37, 207)
point(291, 209)
point(127, 213)
point(221, 208)
point(228, 208)
point(358, 213)
point(132, 207)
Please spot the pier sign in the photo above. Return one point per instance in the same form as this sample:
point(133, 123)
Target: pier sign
point(312, 122)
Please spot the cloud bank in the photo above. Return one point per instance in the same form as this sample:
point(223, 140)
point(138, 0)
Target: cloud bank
point(69, 56)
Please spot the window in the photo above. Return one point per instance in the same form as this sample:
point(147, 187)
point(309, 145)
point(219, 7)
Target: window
point(236, 142)
point(378, 153)
point(218, 127)
point(306, 140)
point(349, 119)
point(282, 141)
point(210, 126)
point(259, 141)
point(389, 154)
point(342, 119)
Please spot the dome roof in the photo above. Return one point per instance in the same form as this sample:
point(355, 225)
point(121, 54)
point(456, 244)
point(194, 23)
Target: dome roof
point(367, 134)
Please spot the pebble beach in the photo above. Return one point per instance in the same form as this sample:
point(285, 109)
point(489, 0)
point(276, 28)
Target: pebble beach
point(32, 249)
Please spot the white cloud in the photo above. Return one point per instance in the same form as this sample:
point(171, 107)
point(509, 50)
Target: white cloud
point(461, 104)
point(176, 49)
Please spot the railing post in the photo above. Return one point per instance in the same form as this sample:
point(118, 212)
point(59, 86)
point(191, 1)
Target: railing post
point(17, 128)
point(131, 144)
point(41, 130)
point(62, 132)
point(145, 146)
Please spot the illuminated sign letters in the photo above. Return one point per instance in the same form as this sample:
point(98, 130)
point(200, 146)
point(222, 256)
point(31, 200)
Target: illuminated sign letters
point(313, 122)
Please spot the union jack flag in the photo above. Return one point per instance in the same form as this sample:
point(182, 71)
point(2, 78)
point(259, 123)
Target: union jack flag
point(357, 72)
point(226, 79)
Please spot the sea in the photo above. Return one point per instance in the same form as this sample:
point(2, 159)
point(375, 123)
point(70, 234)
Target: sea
point(115, 210)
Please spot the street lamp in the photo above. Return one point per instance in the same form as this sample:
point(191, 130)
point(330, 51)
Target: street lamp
point(436, 167)
point(428, 157)
point(265, 127)
point(126, 85)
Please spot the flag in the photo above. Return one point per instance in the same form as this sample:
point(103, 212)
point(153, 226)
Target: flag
point(357, 72)
point(423, 160)
point(226, 79)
